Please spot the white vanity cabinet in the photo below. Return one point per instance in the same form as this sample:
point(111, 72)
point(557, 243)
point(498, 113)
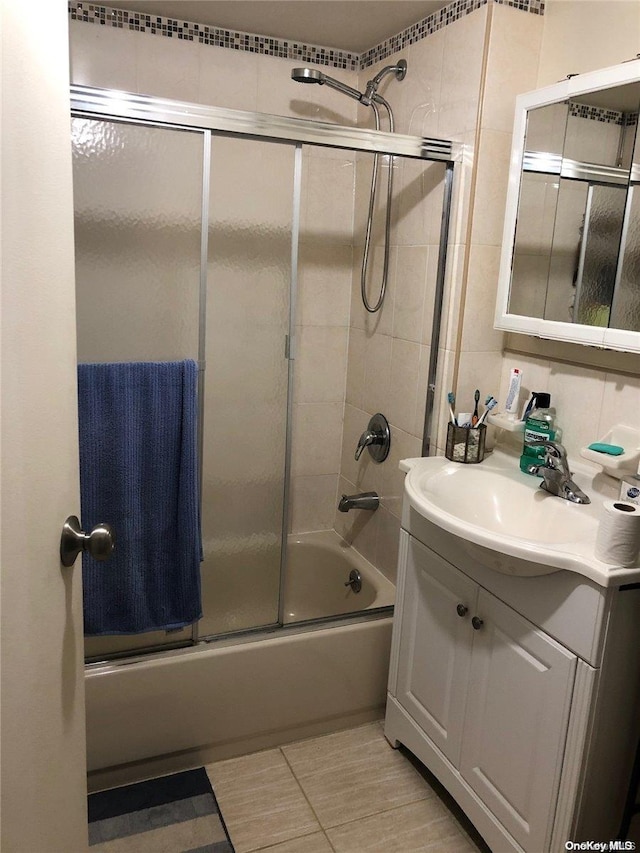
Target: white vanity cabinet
point(514, 699)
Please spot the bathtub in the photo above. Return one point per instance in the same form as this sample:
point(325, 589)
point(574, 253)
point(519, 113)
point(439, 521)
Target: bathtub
point(177, 709)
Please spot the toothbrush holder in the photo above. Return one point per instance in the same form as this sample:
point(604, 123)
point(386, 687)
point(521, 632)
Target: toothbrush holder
point(465, 444)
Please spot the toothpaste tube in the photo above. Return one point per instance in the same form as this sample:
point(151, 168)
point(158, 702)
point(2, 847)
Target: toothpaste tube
point(513, 394)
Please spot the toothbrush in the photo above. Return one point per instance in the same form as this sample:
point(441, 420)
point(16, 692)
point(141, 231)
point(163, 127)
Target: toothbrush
point(474, 416)
point(490, 405)
point(451, 397)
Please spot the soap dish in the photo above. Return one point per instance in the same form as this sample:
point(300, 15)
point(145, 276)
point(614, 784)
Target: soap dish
point(505, 421)
point(624, 464)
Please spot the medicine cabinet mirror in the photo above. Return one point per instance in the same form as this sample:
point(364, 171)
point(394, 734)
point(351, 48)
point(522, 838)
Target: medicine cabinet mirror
point(570, 265)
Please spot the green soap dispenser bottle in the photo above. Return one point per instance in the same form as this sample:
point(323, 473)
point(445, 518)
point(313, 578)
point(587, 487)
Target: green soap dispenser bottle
point(540, 423)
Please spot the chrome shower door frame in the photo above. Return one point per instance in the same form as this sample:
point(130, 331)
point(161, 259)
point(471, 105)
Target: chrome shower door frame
point(110, 104)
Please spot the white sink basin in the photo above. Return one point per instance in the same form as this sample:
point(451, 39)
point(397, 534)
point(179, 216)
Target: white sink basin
point(495, 506)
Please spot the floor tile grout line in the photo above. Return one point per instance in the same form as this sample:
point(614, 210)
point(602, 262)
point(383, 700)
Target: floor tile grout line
point(324, 829)
point(304, 794)
point(288, 841)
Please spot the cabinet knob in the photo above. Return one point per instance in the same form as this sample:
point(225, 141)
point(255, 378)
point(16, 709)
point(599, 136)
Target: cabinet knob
point(477, 623)
point(462, 610)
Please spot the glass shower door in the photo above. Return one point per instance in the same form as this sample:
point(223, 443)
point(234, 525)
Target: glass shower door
point(138, 226)
point(244, 482)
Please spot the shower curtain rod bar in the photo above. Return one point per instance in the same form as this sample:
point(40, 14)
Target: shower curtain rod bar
point(109, 103)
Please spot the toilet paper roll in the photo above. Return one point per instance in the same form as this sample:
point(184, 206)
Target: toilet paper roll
point(618, 538)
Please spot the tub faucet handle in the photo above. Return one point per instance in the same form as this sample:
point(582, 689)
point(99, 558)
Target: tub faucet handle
point(377, 437)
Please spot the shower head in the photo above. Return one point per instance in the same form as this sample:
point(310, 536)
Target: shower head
point(307, 75)
point(312, 75)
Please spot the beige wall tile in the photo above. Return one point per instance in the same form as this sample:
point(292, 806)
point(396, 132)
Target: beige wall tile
point(377, 373)
point(512, 66)
point(412, 283)
point(313, 502)
point(324, 285)
point(620, 402)
point(261, 801)
point(478, 333)
point(491, 187)
point(228, 78)
point(104, 57)
point(355, 367)
point(320, 364)
point(420, 99)
point(168, 68)
point(353, 774)
point(462, 64)
point(403, 446)
point(327, 210)
point(579, 37)
point(317, 431)
point(403, 384)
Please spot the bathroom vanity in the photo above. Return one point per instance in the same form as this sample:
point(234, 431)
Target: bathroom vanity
point(515, 663)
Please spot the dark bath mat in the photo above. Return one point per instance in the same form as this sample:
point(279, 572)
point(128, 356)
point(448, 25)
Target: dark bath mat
point(177, 814)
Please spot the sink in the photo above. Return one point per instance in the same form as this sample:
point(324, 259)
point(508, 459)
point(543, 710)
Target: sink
point(508, 521)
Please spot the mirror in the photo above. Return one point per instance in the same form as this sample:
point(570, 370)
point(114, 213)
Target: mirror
point(570, 267)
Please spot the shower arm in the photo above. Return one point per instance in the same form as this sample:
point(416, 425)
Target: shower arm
point(377, 99)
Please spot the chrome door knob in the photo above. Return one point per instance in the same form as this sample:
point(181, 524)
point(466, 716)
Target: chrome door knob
point(99, 543)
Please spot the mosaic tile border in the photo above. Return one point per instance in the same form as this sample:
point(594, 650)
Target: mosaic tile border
point(92, 13)
point(602, 114)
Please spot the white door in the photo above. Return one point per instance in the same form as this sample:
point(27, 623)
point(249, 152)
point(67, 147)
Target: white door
point(435, 647)
point(43, 782)
point(516, 721)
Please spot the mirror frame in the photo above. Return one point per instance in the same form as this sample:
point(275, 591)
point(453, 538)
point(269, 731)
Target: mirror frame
point(616, 339)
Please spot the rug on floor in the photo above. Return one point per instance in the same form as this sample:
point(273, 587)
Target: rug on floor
point(175, 814)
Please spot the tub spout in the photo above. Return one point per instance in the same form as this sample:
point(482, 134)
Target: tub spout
point(366, 500)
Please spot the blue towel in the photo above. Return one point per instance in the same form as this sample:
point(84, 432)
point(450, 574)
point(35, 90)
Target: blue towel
point(138, 472)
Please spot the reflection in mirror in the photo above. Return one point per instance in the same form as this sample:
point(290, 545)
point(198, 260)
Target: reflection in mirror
point(575, 208)
point(625, 312)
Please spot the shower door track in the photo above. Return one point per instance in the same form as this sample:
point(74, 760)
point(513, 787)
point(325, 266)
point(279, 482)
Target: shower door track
point(108, 103)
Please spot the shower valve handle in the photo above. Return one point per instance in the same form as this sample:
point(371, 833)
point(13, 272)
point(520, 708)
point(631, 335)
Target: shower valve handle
point(99, 543)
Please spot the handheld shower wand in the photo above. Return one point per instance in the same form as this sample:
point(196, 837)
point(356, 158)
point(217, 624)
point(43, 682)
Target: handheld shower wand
point(369, 98)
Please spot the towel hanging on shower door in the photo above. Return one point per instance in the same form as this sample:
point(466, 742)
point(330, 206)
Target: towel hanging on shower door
point(138, 472)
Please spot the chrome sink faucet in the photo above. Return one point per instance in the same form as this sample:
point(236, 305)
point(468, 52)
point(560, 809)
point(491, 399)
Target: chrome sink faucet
point(555, 473)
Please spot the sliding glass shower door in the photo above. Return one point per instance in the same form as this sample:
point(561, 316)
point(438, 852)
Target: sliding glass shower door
point(246, 382)
point(138, 212)
point(184, 250)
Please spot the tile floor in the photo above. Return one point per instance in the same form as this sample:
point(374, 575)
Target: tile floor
point(347, 792)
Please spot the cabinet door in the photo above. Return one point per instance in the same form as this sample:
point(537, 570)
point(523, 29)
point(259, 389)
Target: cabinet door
point(516, 721)
point(435, 647)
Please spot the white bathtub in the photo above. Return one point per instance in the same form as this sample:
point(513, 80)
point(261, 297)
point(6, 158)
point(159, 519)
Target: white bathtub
point(178, 709)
